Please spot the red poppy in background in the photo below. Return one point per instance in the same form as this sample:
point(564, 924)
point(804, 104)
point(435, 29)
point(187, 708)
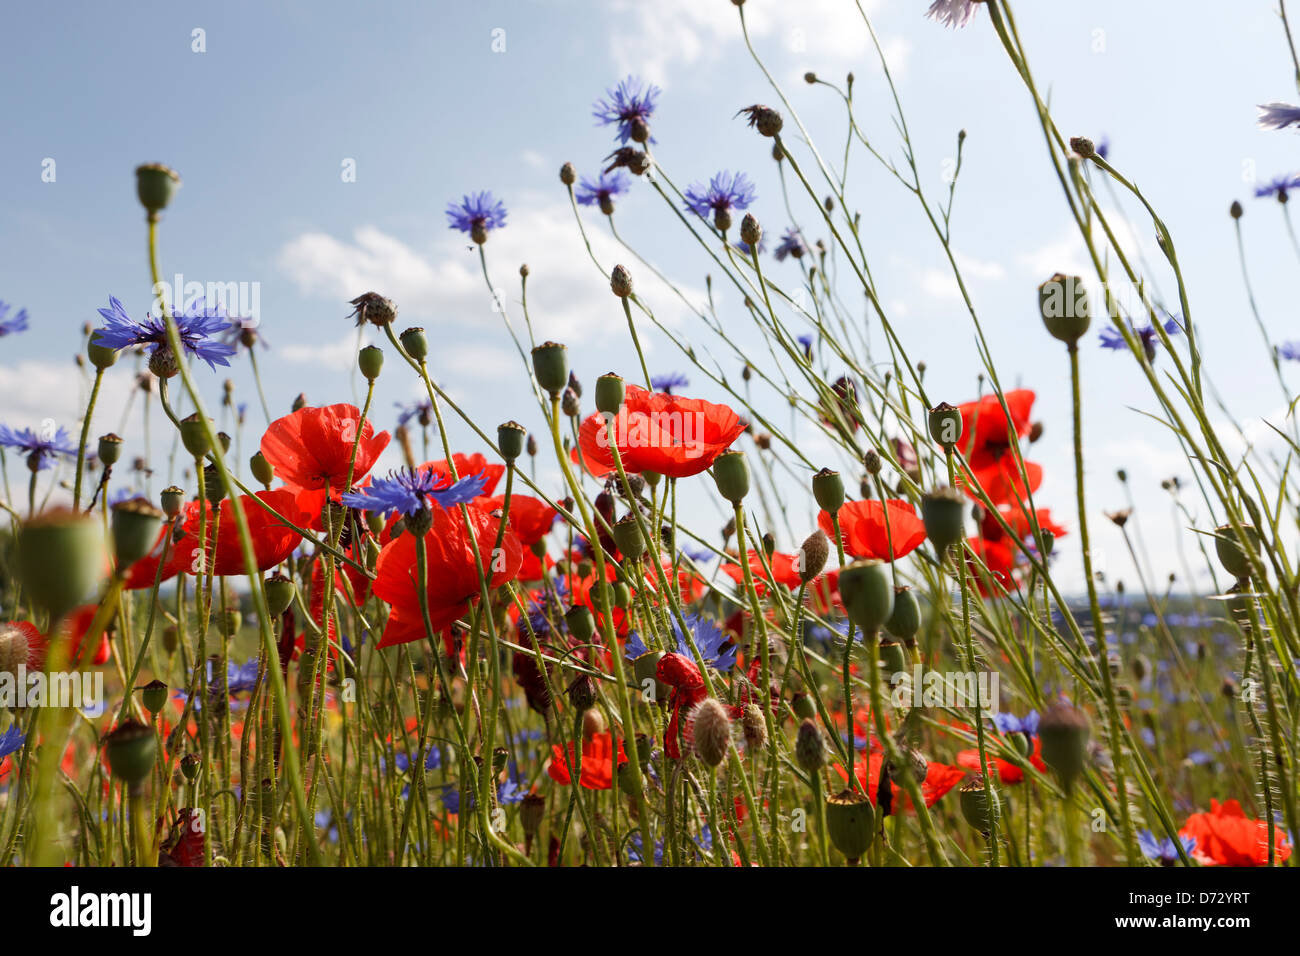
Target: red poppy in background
point(273, 540)
point(530, 518)
point(1000, 559)
point(1017, 517)
point(674, 436)
point(862, 524)
point(1007, 771)
point(141, 574)
point(783, 571)
point(453, 583)
point(985, 428)
point(939, 779)
point(474, 464)
point(1002, 481)
point(1225, 836)
point(311, 448)
point(75, 626)
point(597, 771)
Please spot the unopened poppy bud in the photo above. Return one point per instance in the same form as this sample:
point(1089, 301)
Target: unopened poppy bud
point(131, 750)
point(1063, 734)
point(610, 393)
point(370, 360)
point(711, 730)
point(530, 446)
point(279, 593)
point(810, 747)
point(754, 726)
point(135, 526)
point(813, 554)
point(1063, 304)
point(170, 638)
point(1083, 147)
point(750, 232)
point(979, 804)
point(828, 490)
point(261, 469)
point(569, 403)
point(871, 461)
point(60, 554)
point(194, 436)
point(850, 823)
point(731, 475)
point(582, 692)
point(627, 538)
point(1229, 548)
point(945, 425)
point(622, 596)
point(1235, 210)
point(415, 343)
point(551, 366)
point(299, 403)
point(581, 622)
point(942, 512)
point(905, 621)
point(510, 440)
point(867, 590)
point(101, 356)
point(568, 175)
point(154, 696)
point(110, 449)
point(620, 281)
point(190, 767)
point(155, 184)
point(769, 543)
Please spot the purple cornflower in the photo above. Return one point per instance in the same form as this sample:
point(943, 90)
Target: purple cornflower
point(196, 324)
point(629, 105)
point(1112, 339)
point(1277, 115)
point(476, 215)
point(39, 450)
point(792, 244)
point(602, 190)
point(744, 250)
point(1103, 147)
point(409, 491)
point(1278, 186)
point(710, 639)
point(1008, 723)
point(1163, 851)
point(952, 13)
point(1289, 351)
point(11, 741)
point(9, 326)
point(421, 410)
point(666, 383)
point(725, 192)
point(806, 342)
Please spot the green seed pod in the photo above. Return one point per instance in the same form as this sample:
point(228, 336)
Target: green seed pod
point(370, 360)
point(979, 803)
point(581, 622)
point(551, 366)
point(942, 511)
point(109, 449)
point(622, 594)
point(1063, 304)
point(905, 622)
point(1231, 554)
point(813, 555)
point(627, 538)
point(172, 500)
point(810, 747)
point(945, 425)
point(804, 707)
point(194, 436)
point(1063, 732)
point(131, 750)
point(893, 659)
point(60, 556)
point(135, 526)
point(850, 820)
point(711, 731)
point(190, 767)
point(867, 589)
point(415, 343)
point(155, 184)
point(101, 356)
point(828, 490)
point(279, 593)
point(154, 696)
point(610, 393)
point(510, 440)
point(261, 469)
point(731, 475)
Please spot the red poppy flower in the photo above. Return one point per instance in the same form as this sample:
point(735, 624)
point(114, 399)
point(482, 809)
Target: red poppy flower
point(273, 540)
point(783, 571)
point(674, 436)
point(467, 465)
point(939, 779)
point(597, 771)
point(75, 627)
point(1000, 559)
point(530, 518)
point(1017, 517)
point(453, 583)
point(862, 524)
point(21, 643)
point(985, 428)
point(311, 448)
point(1007, 771)
point(1002, 481)
point(681, 674)
point(1227, 837)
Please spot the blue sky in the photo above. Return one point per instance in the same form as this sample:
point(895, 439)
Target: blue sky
point(426, 104)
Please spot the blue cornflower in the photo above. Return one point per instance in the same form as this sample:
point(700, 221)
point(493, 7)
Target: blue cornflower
point(1008, 723)
point(602, 190)
point(1278, 186)
point(1112, 339)
point(432, 761)
point(11, 741)
point(806, 342)
point(1277, 115)
point(1289, 351)
point(476, 215)
point(409, 491)
point(666, 383)
point(39, 450)
point(714, 645)
point(952, 13)
point(196, 324)
point(744, 249)
point(792, 244)
point(629, 105)
point(1103, 147)
point(1163, 850)
point(9, 326)
point(421, 410)
point(634, 847)
point(698, 555)
point(241, 678)
point(726, 191)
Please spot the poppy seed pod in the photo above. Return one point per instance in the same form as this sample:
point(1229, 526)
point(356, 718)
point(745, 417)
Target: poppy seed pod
point(581, 622)
point(510, 440)
point(1063, 732)
point(620, 281)
point(154, 696)
point(867, 589)
point(171, 499)
point(190, 764)
point(979, 804)
point(810, 747)
point(751, 232)
point(622, 594)
point(101, 356)
point(194, 436)
point(1229, 548)
point(131, 750)
point(60, 555)
point(731, 475)
point(828, 490)
point(279, 593)
point(109, 449)
point(1063, 304)
point(135, 525)
point(905, 622)
point(813, 554)
point(415, 343)
point(942, 512)
point(551, 366)
point(627, 537)
point(893, 659)
point(154, 185)
point(945, 425)
point(370, 360)
point(850, 820)
point(261, 469)
point(711, 730)
point(610, 393)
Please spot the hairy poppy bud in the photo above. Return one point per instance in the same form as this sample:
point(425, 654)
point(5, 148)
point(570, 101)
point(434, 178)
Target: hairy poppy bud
point(154, 696)
point(828, 490)
point(582, 692)
point(751, 232)
point(810, 747)
point(261, 469)
point(754, 726)
point(279, 593)
point(979, 804)
point(135, 525)
point(60, 554)
point(1063, 304)
point(131, 750)
point(905, 622)
point(850, 820)
point(945, 425)
point(568, 175)
point(627, 538)
point(620, 281)
point(415, 343)
point(1063, 733)
point(867, 589)
point(813, 554)
point(110, 449)
point(1083, 147)
point(1229, 548)
point(711, 730)
point(942, 512)
point(871, 461)
point(510, 440)
point(370, 360)
point(155, 184)
point(731, 475)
